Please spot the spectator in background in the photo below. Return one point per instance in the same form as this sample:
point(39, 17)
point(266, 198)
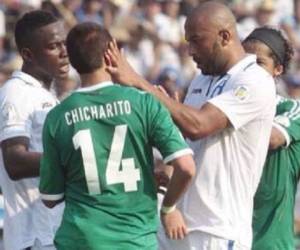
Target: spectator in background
point(25, 100)
point(90, 11)
point(274, 202)
point(227, 118)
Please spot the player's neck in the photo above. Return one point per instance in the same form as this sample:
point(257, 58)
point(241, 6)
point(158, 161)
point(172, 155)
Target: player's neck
point(94, 78)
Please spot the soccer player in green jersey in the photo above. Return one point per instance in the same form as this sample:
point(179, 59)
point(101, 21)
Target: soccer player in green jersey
point(98, 156)
point(273, 218)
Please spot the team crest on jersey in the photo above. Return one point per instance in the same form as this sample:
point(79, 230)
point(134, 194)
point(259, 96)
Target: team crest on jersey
point(241, 92)
point(282, 120)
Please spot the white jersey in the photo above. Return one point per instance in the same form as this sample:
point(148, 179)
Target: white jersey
point(24, 104)
point(229, 163)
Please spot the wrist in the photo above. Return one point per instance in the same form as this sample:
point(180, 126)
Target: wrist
point(167, 209)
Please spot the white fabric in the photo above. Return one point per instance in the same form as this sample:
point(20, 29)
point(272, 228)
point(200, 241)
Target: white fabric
point(198, 241)
point(24, 104)
point(229, 163)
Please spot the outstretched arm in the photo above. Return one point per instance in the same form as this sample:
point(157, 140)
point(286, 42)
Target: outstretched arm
point(193, 123)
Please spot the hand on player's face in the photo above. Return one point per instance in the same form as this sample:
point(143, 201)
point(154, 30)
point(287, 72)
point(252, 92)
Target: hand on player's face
point(118, 66)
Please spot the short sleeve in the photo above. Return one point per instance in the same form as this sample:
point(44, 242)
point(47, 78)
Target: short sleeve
point(51, 171)
point(244, 103)
point(15, 112)
point(164, 134)
point(288, 122)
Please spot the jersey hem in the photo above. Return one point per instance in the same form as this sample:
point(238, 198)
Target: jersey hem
point(13, 135)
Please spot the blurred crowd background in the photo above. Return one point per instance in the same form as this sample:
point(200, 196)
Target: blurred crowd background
point(152, 35)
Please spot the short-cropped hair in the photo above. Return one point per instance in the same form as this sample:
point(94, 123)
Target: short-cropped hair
point(86, 45)
point(28, 24)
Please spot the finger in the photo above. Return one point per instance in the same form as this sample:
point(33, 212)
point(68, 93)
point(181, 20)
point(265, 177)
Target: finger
point(184, 230)
point(112, 57)
point(107, 59)
point(169, 234)
point(176, 96)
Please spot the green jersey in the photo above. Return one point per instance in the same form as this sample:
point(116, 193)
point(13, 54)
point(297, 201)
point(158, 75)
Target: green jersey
point(273, 217)
point(98, 155)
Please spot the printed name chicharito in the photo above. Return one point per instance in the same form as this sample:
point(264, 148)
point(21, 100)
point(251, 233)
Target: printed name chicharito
point(97, 112)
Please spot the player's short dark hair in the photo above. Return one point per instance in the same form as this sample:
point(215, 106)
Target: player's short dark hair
point(86, 45)
point(28, 24)
point(281, 49)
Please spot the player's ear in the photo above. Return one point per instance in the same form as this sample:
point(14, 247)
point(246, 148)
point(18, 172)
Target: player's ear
point(278, 70)
point(26, 54)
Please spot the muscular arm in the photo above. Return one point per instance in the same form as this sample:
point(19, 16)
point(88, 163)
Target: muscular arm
point(194, 124)
point(18, 161)
point(277, 139)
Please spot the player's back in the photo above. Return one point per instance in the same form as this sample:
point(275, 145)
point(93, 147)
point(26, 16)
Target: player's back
point(104, 135)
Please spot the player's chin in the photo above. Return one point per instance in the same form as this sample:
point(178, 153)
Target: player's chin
point(62, 76)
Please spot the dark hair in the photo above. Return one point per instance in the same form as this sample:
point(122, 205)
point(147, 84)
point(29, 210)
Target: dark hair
point(281, 49)
point(28, 24)
point(86, 44)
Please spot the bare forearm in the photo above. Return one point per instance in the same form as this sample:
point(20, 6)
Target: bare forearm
point(188, 119)
point(18, 161)
point(23, 165)
point(180, 180)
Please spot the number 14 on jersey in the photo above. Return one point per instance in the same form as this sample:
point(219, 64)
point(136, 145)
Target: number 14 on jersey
point(127, 174)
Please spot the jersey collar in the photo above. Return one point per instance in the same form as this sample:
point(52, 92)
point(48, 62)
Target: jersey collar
point(242, 64)
point(95, 87)
point(28, 79)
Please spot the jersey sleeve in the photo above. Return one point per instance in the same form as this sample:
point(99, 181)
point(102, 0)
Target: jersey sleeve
point(15, 112)
point(244, 102)
point(164, 134)
point(287, 120)
point(51, 171)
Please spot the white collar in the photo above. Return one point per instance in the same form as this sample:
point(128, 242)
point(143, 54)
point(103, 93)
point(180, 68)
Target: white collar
point(28, 79)
point(242, 64)
point(95, 87)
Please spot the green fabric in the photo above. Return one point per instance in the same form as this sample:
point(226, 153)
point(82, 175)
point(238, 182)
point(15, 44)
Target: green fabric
point(113, 218)
point(273, 217)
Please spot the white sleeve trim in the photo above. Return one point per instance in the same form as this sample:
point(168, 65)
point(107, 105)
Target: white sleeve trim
point(284, 133)
point(13, 134)
point(177, 154)
point(52, 197)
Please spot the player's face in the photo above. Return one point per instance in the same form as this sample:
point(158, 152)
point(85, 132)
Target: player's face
point(49, 51)
point(263, 55)
point(204, 48)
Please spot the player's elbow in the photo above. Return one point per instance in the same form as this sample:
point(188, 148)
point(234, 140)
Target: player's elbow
point(12, 172)
point(196, 133)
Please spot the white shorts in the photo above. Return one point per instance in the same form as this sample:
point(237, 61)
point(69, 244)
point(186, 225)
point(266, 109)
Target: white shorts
point(197, 241)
